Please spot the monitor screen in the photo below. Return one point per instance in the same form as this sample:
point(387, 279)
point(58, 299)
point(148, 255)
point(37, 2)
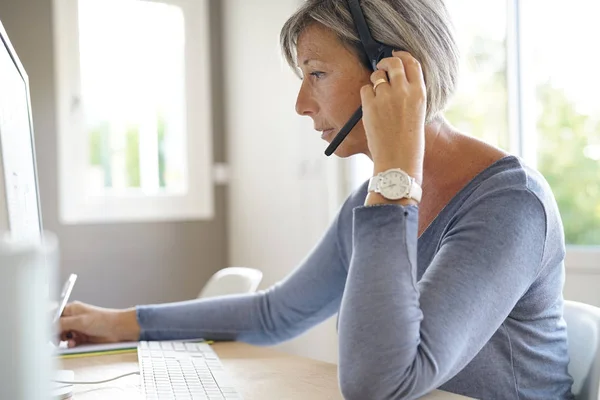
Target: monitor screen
point(19, 201)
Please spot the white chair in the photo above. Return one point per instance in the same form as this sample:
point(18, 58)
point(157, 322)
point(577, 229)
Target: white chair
point(583, 331)
point(232, 280)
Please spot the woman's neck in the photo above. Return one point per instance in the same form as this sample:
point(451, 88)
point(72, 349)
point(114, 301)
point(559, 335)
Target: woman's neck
point(440, 151)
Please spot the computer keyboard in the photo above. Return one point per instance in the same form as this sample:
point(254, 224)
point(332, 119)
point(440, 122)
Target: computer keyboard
point(183, 370)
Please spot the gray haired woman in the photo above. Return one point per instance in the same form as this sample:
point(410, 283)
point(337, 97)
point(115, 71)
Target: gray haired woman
point(446, 268)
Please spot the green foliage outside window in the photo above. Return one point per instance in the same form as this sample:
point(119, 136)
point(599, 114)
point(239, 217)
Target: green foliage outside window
point(162, 127)
point(100, 153)
point(568, 140)
point(132, 157)
point(564, 136)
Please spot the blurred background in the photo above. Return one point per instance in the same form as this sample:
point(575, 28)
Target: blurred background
point(168, 146)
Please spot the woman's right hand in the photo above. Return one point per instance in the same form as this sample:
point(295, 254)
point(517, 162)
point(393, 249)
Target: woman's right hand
point(82, 323)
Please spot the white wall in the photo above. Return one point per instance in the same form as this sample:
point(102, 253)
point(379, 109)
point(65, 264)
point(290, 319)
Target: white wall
point(281, 201)
point(582, 281)
point(583, 286)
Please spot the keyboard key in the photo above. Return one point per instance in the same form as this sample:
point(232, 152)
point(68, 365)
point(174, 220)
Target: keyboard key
point(166, 345)
point(178, 346)
point(191, 347)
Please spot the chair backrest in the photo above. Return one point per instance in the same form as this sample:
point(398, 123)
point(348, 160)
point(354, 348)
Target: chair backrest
point(583, 331)
point(232, 280)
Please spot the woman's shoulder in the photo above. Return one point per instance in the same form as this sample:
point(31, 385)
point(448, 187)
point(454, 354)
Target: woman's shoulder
point(510, 174)
point(518, 188)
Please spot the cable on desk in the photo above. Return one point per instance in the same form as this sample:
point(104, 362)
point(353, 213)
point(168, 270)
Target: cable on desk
point(97, 382)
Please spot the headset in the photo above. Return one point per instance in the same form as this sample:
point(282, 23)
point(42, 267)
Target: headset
point(375, 52)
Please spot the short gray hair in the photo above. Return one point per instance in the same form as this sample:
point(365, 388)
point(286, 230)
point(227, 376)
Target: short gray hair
point(421, 27)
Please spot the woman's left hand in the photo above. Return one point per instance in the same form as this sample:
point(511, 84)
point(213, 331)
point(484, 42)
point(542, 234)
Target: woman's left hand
point(394, 115)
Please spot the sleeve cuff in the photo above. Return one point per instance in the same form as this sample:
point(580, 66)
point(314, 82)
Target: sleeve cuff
point(391, 228)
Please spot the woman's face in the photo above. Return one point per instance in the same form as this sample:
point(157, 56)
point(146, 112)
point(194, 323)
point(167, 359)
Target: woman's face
point(330, 91)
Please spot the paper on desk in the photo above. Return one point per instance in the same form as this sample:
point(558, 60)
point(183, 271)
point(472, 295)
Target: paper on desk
point(96, 348)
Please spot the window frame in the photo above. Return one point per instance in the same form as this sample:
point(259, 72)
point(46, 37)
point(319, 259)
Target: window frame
point(77, 207)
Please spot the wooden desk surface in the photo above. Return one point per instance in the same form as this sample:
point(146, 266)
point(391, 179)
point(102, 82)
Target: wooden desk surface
point(259, 373)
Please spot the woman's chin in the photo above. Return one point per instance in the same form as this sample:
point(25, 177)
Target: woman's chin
point(343, 151)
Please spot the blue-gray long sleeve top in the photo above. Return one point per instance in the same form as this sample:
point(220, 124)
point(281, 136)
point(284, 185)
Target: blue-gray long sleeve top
point(473, 306)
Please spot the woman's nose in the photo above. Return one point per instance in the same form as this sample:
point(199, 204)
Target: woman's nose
point(305, 104)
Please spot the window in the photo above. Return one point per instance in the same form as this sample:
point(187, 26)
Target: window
point(480, 30)
point(134, 120)
point(529, 65)
point(563, 84)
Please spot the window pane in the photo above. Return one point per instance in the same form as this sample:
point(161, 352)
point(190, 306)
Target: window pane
point(479, 107)
point(563, 69)
point(132, 72)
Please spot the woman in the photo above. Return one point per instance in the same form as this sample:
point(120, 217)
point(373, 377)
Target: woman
point(459, 287)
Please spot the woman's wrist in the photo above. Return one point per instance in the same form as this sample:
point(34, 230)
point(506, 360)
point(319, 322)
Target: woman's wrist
point(374, 199)
point(127, 326)
point(413, 168)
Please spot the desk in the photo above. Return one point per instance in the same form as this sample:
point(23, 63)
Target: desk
point(260, 374)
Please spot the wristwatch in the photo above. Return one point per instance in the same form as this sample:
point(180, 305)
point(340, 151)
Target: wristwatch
point(395, 184)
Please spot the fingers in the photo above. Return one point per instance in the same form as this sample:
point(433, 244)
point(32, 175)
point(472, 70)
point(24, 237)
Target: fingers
point(69, 324)
point(412, 67)
point(72, 309)
point(394, 68)
point(75, 339)
point(400, 70)
point(366, 95)
point(71, 321)
point(377, 77)
point(402, 67)
point(402, 74)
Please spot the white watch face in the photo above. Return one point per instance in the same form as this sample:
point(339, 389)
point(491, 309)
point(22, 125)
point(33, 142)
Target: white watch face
point(394, 185)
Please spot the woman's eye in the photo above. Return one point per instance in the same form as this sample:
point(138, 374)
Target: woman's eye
point(317, 74)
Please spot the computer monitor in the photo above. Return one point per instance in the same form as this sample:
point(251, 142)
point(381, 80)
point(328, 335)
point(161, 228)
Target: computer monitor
point(20, 213)
point(27, 263)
